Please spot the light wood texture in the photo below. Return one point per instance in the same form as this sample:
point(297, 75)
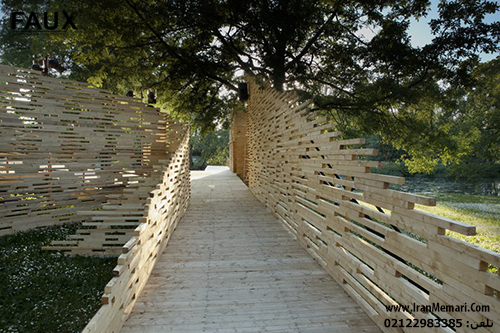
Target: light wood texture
point(164, 208)
point(367, 236)
point(67, 146)
point(230, 267)
point(107, 229)
point(237, 145)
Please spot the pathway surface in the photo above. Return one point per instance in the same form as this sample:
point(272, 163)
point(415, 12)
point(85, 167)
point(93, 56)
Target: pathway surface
point(232, 267)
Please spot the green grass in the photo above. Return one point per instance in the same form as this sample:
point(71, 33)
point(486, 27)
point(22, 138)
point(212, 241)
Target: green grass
point(480, 211)
point(44, 291)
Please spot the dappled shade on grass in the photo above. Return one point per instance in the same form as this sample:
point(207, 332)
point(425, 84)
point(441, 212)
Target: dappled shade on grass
point(480, 211)
point(48, 292)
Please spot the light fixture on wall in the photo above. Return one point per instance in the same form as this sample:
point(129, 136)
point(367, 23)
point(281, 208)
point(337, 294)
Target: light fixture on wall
point(243, 91)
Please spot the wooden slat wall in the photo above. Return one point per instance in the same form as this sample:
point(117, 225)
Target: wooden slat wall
point(164, 208)
point(237, 145)
point(107, 229)
point(369, 237)
point(71, 147)
point(66, 147)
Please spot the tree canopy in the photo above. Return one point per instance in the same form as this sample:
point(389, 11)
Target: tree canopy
point(193, 53)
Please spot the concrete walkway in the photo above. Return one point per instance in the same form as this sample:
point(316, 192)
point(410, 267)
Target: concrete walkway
point(232, 267)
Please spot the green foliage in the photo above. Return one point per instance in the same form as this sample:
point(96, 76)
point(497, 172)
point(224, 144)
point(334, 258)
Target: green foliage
point(459, 132)
point(392, 168)
point(22, 49)
point(48, 292)
point(193, 55)
point(470, 125)
point(480, 211)
point(197, 163)
point(213, 147)
point(193, 58)
point(387, 152)
point(476, 121)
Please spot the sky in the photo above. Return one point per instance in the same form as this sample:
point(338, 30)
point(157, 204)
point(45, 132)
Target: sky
point(421, 33)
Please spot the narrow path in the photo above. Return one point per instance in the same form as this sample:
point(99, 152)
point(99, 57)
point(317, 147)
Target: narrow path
point(232, 267)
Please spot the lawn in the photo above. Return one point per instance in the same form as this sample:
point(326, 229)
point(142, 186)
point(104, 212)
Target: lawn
point(49, 292)
point(480, 211)
point(44, 291)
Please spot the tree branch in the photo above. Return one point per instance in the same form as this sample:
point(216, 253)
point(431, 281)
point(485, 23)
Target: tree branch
point(311, 41)
point(171, 50)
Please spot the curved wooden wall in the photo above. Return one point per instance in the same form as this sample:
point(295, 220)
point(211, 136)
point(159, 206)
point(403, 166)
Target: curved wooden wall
point(66, 147)
point(164, 208)
point(370, 238)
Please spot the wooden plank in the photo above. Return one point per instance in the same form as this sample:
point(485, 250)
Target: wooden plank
point(370, 238)
point(66, 144)
point(230, 265)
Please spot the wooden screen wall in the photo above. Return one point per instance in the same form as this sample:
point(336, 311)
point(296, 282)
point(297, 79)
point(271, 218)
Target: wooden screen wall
point(71, 153)
point(237, 145)
point(369, 237)
point(65, 146)
point(166, 204)
point(106, 229)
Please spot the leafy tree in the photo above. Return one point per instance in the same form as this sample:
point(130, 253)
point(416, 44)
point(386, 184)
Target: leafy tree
point(191, 52)
point(20, 48)
point(476, 124)
point(212, 147)
point(467, 121)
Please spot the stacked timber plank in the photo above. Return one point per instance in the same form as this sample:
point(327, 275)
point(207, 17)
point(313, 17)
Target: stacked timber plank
point(237, 145)
point(72, 153)
point(165, 206)
point(369, 237)
point(66, 147)
point(231, 267)
point(106, 230)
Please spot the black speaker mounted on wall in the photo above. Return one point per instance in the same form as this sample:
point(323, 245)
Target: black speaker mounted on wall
point(243, 91)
